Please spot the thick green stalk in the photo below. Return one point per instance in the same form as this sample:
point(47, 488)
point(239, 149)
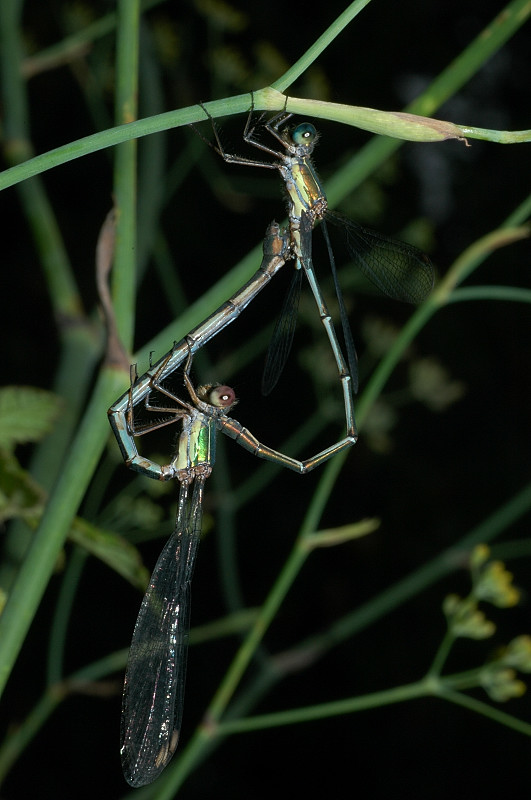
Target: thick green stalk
point(125, 198)
point(311, 55)
point(510, 19)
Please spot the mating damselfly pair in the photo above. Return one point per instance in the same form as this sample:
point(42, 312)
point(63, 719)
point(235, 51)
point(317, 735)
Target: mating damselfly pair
point(154, 683)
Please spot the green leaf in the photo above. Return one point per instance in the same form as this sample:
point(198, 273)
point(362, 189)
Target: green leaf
point(112, 549)
point(26, 414)
point(20, 496)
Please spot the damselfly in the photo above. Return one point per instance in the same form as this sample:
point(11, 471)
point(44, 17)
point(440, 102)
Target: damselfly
point(399, 270)
point(154, 682)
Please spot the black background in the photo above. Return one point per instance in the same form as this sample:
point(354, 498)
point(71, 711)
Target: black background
point(441, 474)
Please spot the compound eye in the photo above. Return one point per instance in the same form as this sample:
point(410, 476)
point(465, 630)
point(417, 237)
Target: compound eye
point(222, 396)
point(305, 134)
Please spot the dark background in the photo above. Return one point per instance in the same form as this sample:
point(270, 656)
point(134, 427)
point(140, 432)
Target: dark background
point(439, 475)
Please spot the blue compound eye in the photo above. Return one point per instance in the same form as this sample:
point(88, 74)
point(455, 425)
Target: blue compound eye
point(304, 133)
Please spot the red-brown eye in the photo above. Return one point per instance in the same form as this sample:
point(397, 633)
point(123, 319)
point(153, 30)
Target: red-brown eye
point(222, 396)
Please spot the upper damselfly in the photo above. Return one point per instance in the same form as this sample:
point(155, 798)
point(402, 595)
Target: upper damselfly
point(399, 270)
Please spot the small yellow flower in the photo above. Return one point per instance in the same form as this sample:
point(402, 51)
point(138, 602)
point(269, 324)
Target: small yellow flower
point(430, 383)
point(518, 654)
point(379, 335)
point(480, 555)
point(465, 618)
point(501, 683)
point(494, 585)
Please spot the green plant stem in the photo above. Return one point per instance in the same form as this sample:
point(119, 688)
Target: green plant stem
point(152, 169)
point(61, 618)
point(486, 710)
point(267, 612)
point(122, 133)
point(301, 549)
point(424, 688)
point(14, 745)
point(513, 294)
point(350, 705)
point(321, 44)
point(442, 654)
point(125, 165)
point(510, 19)
point(18, 148)
point(500, 137)
point(474, 256)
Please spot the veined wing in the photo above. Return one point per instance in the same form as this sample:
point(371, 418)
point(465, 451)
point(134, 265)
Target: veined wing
point(282, 339)
point(154, 683)
point(398, 269)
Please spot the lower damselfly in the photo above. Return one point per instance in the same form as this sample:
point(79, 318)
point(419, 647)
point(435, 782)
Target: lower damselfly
point(153, 695)
point(399, 270)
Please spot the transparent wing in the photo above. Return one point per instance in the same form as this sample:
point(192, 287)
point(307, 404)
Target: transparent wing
point(282, 339)
point(399, 270)
point(154, 682)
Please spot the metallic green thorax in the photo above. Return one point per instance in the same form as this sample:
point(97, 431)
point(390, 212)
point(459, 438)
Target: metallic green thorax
point(304, 189)
point(197, 442)
point(203, 442)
